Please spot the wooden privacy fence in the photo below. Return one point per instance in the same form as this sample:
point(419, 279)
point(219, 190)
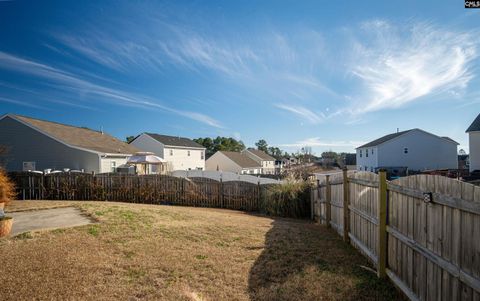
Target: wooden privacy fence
point(422, 231)
point(151, 189)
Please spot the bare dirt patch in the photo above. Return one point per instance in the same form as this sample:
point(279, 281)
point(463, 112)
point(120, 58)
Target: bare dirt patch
point(180, 253)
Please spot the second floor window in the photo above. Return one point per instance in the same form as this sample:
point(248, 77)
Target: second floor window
point(202, 156)
point(366, 153)
point(171, 152)
point(405, 150)
point(188, 153)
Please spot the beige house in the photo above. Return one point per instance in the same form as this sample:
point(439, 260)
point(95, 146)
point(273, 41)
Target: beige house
point(34, 144)
point(180, 153)
point(235, 162)
point(265, 160)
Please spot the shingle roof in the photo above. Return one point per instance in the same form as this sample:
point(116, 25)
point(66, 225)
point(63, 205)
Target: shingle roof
point(475, 126)
point(261, 154)
point(395, 135)
point(241, 159)
point(80, 137)
point(383, 139)
point(175, 141)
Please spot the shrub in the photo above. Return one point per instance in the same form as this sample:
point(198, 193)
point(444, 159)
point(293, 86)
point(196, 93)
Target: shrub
point(289, 199)
point(7, 188)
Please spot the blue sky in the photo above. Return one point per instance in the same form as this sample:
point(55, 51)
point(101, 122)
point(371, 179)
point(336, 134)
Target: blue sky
point(327, 74)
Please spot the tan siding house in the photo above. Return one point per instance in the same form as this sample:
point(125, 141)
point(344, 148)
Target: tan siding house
point(265, 160)
point(235, 162)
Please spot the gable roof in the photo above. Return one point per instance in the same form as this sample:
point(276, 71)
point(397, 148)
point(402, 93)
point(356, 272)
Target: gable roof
point(261, 154)
point(240, 159)
point(174, 141)
point(475, 126)
point(383, 139)
point(77, 136)
point(395, 135)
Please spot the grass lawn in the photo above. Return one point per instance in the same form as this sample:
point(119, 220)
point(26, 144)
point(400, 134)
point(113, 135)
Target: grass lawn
point(181, 253)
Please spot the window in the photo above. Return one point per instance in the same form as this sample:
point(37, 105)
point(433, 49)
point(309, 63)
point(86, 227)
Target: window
point(202, 155)
point(360, 153)
point(372, 151)
point(366, 153)
point(188, 153)
point(28, 166)
point(113, 165)
point(405, 150)
point(171, 152)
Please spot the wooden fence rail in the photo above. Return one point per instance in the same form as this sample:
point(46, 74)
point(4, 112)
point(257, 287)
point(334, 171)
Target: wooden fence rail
point(422, 231)
point(152, 189)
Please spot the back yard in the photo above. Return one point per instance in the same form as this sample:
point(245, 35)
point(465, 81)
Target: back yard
point(181, 253)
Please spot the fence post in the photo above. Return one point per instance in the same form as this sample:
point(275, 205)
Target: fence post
point(319, 205)
point(328, 199)
point(382, 224)
point(220, 193)
point(346, 204)
point(312, 202)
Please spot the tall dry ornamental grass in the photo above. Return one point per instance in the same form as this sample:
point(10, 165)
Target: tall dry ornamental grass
point(290, 199)
point(7, 188)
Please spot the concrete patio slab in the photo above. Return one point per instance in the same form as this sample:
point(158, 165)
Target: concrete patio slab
point(47, 219)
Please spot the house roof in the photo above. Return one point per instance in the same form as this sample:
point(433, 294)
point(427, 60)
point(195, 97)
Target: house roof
point(79, 136)
point(241, 159)
point(383, 139)
point(395, 135)
point(475, 126)
point(261, 154)
point(175, 141)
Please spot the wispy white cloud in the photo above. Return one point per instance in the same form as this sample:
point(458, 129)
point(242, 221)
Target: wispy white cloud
point(318, 142)
point(21, 103)
point(303, 113)
point(399, 66)
point(70, 82)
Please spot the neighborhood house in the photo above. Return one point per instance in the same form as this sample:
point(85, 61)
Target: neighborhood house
point(412, 149)
point(34, 144)
point(235, 162)
point(179, 153)
point(474, 144)
point(265, 160)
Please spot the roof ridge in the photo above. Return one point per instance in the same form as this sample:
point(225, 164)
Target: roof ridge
point(56, 122)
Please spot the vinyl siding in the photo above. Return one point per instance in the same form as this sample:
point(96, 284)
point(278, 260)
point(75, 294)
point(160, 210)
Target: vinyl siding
point(180, 160)
point(425, 151)
point(474, 147)
point(26, 144)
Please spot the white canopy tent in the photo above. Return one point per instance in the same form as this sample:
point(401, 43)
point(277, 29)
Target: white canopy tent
point(147, 163)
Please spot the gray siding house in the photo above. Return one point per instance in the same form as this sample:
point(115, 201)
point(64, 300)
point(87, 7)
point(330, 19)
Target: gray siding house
point(414, 149)
point(34, 144)
point(474, 144)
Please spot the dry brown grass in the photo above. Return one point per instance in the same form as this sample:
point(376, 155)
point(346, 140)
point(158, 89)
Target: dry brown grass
point(7, 189)
point(180, 253)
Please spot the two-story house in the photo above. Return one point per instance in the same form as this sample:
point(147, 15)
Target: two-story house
point(413, 149)
point(266, 161)
point(180, 153)
point(41, 145)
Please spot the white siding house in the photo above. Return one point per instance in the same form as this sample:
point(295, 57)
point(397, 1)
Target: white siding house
point(474, 144)
point(179, 152)
point(34, 144)
point(266, 161)
point(233, 162)
point(415, 149)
